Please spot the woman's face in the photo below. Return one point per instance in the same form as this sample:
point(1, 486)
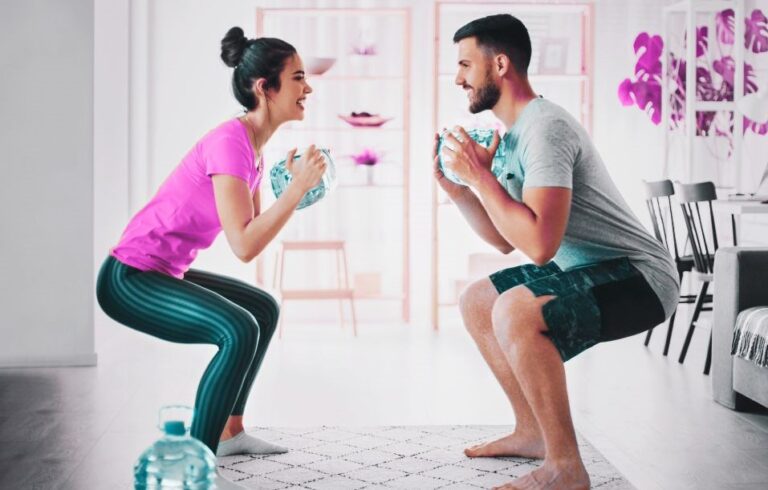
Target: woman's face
point(287, 104)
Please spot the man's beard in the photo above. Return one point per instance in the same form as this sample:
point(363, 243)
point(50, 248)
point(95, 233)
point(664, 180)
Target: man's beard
point(485, 97)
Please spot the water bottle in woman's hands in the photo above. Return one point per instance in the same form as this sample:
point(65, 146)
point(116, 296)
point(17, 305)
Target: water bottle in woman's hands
point(282, 174)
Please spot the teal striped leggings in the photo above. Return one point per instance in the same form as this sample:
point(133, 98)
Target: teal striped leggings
point(202, 308)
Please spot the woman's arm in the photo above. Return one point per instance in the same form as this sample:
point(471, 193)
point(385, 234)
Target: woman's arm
point(248, 231)
point(256, 202)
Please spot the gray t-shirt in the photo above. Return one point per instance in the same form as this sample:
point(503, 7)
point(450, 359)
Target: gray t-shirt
point(547, 147)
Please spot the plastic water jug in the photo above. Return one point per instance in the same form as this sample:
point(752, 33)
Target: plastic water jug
point(177, 460)
point(280, 178)
point(483, 137)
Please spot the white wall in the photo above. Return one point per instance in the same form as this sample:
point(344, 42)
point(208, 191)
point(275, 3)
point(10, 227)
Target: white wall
point(111, 117)
point(46, 207)
point(631, 146)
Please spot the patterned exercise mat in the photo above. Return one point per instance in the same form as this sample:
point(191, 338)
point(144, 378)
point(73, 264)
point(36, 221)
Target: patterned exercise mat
point(416, 457)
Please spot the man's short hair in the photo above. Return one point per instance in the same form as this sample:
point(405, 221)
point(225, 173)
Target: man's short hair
point(501, 34)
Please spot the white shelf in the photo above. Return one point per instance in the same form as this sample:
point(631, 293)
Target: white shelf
point(391, 87)
point(334, 12)
point(369, 186)
point(342, 129)
point(349, 164)
point(681, 162)
point(537, 78)
point(354, 78)
point(701, 6)
point(380, 297)
point(714, 105)
point(475, 8)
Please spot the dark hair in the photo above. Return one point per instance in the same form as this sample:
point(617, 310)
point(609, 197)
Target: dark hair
point(501, 34)
point(264, 57)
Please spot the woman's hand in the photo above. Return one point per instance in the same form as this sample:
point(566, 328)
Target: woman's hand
point(452, 189)
point(468, 159)
point(307, 172)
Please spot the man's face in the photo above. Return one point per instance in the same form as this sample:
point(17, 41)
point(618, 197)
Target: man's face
point(476, 77)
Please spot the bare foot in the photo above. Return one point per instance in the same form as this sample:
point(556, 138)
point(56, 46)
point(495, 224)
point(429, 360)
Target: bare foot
point(516, 444)
point(550, 476)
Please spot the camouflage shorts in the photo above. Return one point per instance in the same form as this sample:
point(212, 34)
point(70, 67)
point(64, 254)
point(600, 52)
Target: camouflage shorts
point(593, 303)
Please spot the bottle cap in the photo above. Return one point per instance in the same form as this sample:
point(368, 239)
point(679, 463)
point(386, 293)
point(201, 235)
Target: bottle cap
point(174, 428)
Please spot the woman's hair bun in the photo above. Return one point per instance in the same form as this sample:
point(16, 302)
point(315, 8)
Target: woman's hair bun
point(232, 46)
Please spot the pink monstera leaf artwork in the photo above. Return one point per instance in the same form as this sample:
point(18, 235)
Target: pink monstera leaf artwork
point(645, 90)
point(725, 26)
point(715, 69)
point(756, 35)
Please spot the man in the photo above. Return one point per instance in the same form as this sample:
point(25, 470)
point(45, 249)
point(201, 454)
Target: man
point(597, 275)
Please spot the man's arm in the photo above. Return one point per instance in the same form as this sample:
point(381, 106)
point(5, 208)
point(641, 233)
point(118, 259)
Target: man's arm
point(535, 226)
point(473, 211)
point(468, 203)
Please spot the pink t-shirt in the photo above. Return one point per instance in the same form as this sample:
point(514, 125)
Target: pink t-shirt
point(181, 218)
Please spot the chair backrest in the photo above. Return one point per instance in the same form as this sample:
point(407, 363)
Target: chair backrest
point(693, 199)
point(658, 199)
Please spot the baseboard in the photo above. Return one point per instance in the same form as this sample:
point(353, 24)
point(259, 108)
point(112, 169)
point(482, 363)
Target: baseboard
point(49, 361)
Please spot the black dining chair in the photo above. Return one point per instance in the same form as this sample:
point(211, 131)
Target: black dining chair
point(695, 201)
point(658, 198)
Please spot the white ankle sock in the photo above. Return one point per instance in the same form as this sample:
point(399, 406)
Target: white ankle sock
point(242, 443)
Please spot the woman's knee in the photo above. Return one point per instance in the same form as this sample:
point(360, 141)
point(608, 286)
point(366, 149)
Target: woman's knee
point(242, 332)
point(273, 307)
point(268, 313)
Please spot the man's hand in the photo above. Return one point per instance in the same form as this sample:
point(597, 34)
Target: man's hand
point(465, 157)
point(452, 189)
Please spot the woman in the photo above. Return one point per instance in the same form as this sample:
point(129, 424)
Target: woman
point(145, 282)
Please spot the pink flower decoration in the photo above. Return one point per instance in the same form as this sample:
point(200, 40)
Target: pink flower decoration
point(366, 157)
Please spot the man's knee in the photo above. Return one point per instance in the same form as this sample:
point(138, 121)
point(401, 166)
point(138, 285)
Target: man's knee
point(476, 302)
point(516, 316)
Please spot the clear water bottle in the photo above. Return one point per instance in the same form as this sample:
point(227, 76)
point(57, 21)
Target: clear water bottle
point(483, 137)
point(280, 178)
point(177, 460)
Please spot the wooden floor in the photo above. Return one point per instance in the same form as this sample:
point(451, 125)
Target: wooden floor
point(82, 428)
